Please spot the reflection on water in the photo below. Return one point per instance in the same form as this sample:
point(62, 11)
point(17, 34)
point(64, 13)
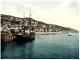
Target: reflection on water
point(17, 50)
point(45, 47)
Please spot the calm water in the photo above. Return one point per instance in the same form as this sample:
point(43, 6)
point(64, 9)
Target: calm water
point(46, 47)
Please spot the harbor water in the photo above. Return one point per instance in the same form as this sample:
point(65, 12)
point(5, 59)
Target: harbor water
point(59, 46)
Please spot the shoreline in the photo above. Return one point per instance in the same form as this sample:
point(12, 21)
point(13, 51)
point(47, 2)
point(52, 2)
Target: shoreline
point(50, 33)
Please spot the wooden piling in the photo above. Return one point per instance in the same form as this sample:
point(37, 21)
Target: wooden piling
point(6, 37)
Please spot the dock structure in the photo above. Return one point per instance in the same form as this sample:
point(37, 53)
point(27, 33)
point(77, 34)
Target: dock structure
point(6, 37)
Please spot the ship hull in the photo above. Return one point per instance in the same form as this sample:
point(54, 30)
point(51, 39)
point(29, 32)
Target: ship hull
point(25, 38)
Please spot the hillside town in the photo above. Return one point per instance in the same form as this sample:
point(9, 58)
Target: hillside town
point(38, 26)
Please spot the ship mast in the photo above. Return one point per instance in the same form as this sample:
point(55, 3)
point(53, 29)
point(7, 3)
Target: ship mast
point(24, 14)
point(30, 13)
point(23, 23)
point(30, 19)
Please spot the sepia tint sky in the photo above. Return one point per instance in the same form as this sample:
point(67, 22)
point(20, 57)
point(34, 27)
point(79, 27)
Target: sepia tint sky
point(60, 12)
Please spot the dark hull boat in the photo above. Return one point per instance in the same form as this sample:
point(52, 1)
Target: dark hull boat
point(69, 34)
point(20, 37)
point(26, 31)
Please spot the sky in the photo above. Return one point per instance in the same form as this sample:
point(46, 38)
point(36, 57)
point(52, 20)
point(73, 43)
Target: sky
point(60, 12)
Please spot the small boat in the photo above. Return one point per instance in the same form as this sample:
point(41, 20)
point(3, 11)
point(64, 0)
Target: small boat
point(69, 34)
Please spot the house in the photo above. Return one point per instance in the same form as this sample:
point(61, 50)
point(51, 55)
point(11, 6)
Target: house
point(5, 20)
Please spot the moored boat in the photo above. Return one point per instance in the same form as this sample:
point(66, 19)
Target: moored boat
point(25, 32)
point(69, 34)
point(22, 37)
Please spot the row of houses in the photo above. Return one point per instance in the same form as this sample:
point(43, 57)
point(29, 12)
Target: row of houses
point(38, 26)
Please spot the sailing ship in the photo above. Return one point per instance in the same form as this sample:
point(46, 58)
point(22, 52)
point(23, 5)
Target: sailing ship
point(25, 33)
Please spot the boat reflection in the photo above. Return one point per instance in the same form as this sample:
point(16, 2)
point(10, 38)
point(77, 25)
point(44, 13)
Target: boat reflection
point(17, 50)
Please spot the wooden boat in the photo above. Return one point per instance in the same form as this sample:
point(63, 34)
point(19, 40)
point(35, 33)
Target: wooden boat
point(22, 35)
